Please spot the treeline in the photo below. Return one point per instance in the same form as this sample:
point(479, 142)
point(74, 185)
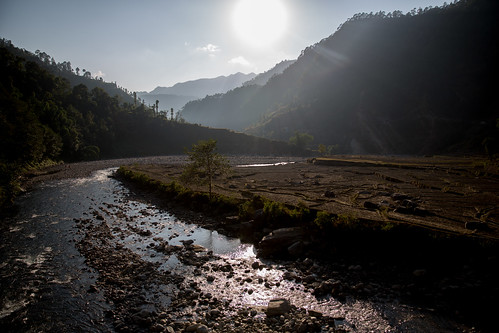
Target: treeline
point(65, 69)
point(423, 82)
point(43, 118)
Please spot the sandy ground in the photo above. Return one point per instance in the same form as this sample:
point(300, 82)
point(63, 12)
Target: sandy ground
point(452, 195)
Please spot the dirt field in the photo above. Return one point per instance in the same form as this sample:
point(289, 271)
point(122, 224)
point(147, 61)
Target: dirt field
point(453, 195)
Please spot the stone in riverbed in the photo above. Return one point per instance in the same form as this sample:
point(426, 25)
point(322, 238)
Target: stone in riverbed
point(197, 328)
point(296, 249)
point(278, 307)
point(476, 225)
point(278, 241)
point(198, 248)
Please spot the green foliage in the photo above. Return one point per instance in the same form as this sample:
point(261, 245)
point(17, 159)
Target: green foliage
point(274, 210)
point(301, 140)
point(323, 220)
point(324, 150)
point(333, 223)
point(205, 164)
point(328, 221)
point(90, 153)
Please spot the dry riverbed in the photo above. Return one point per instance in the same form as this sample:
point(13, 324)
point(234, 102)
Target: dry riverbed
point(154, 282)
point(450, 195)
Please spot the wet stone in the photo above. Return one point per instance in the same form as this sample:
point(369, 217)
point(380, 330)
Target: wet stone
point(277, 307)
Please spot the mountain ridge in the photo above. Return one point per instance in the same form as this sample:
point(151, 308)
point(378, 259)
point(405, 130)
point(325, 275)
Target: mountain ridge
point(382, 83)
point(263, 78)
point(205, 86)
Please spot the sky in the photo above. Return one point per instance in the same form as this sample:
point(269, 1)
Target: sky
point(149, 43)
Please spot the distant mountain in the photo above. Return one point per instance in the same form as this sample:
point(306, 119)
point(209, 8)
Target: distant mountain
point(179, 94)
point(263, 78)
point(167, 101)
point(415, 83)
point(202, 87)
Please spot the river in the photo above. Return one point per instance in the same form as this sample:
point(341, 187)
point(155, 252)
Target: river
point(50, 281)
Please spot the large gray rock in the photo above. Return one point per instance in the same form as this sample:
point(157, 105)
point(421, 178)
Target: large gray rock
point(278, 307)
point(278, 241)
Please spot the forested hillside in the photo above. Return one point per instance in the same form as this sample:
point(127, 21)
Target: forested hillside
point(263, 78)
point(421, 82)
point(42, 117)
point(65, 69)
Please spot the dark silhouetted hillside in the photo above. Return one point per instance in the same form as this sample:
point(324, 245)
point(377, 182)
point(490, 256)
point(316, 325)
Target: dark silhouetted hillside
point(263, 78)
point(421, 82)
point(43, 117)
point(75, 76)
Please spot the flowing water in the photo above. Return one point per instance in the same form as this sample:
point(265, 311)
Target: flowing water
point(46, 284)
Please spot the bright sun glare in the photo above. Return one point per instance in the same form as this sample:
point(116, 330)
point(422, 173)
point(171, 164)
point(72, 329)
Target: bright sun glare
point(259, 22)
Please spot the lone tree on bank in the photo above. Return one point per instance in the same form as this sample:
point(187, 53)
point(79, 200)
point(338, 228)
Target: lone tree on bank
point(205, 164)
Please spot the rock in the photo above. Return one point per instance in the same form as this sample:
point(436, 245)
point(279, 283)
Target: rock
point(326, 287)
point(232, 219)
point(255, 265)
point(156, 328)
point(309, 279)
point(329, 194)
point(215, 313)
point(198, 248)
point(355, 268)
point(476, 225)
point(370, 205)
point(278, 241)
point(287, 275)
point(202, 329)
point(315, 314)
point(307, 263)
point(197, 328)
point(278, 307)
point(92, 289)
point(419, 272)
point(399, 196)
point(169, 329)
point(296, 249)
point(210, 278)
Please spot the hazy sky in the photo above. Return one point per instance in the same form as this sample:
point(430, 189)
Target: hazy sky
point(149, 43)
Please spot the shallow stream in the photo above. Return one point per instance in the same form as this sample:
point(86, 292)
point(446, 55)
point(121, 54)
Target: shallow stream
point(46, 284)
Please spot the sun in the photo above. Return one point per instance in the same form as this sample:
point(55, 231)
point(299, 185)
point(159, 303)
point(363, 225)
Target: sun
point(259, 23)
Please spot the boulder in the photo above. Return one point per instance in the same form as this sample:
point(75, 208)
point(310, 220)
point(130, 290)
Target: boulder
point(296, 249)
point(198, 248)
point(278, 241)
point(278, 307)
point(370, 205)
point(476, 225)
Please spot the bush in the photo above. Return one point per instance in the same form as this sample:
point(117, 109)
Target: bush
point(89, 153)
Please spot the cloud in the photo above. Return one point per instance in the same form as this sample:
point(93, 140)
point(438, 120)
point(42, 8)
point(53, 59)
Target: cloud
point(239, 61)
point(211, 49)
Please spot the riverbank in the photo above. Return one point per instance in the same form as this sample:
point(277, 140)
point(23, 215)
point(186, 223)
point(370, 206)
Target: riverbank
point(438, 223)
point(125, 239)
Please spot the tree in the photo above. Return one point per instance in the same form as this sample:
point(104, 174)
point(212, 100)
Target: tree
point(301, 140)
point(205, 164)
